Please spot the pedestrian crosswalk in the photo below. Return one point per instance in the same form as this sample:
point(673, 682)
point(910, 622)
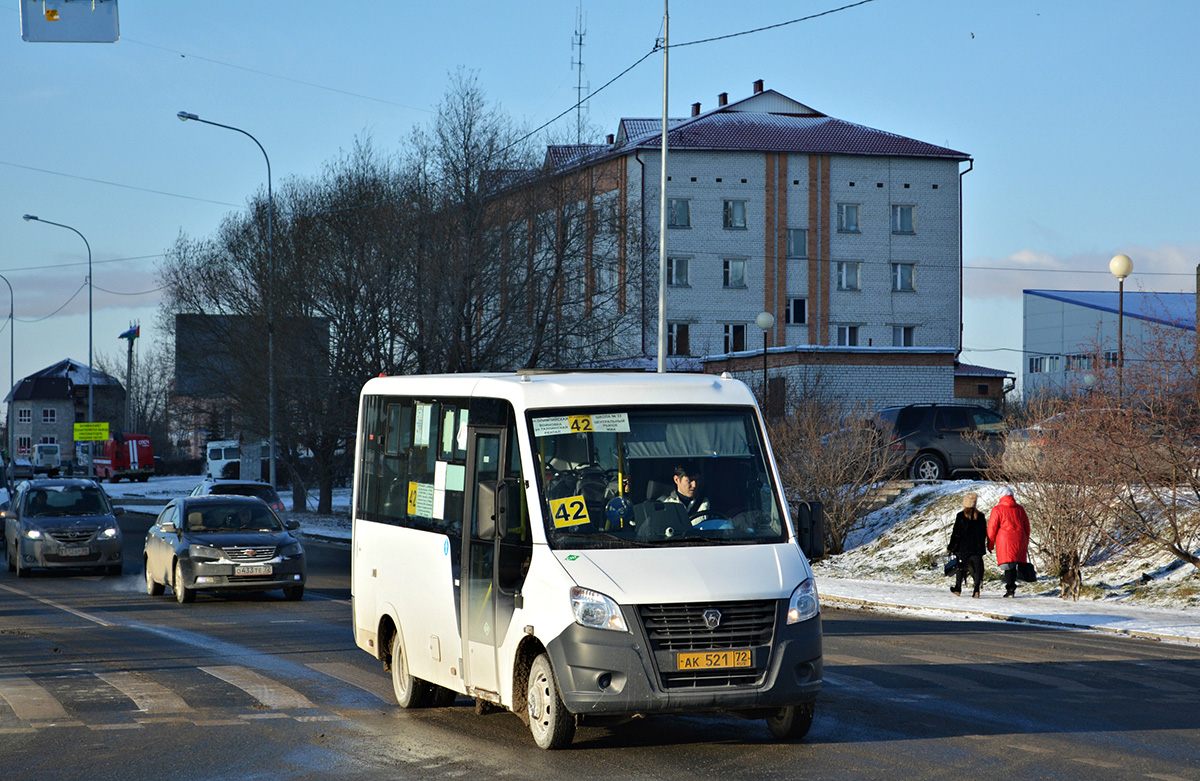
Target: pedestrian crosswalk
point(217, 695)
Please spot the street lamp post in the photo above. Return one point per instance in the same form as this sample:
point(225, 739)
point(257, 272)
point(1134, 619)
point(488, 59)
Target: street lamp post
point(1121, 266)
point(765, 321)
point(184, 116)
point(91, 379)
point(12, 377)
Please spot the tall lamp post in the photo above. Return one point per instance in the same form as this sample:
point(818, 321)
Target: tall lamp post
point(765, 321)
point(91, 379)
point(1120, 266)
point(184, 116)
point(12, 377)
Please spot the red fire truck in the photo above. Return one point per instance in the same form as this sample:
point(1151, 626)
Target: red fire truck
point(125, 456)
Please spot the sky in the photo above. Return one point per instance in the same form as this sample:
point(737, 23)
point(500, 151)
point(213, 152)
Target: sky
point(1080, 117)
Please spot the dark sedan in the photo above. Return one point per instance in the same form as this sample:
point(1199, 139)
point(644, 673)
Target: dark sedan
point(222, 543)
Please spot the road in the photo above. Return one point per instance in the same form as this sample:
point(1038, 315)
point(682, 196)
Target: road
point(99, 680)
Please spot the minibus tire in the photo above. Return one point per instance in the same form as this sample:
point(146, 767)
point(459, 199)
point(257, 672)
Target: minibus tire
point(410, 692)
point(552, 725)
point(792, 722)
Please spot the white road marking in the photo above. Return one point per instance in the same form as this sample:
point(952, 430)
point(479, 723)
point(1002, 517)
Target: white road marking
point(29, 701)
point(150, 697)
point(270, 693)
point(58, 606)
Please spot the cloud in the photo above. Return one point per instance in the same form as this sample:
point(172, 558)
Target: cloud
point(1166, 268)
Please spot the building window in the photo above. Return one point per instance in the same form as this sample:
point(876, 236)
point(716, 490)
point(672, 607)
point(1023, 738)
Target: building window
point(847, 274)
point(23, 445)
point(1079, 363)
point(734, 273)
point(796, 312)
point(847, 336)
point(735, 337)
point(679, 213)
point(902, 219)
point(677, 272)
point(982, 389)
point(902, 277)
point(1053, 363)
point(903, 335)
point(735, 215)
point(797, 242)
point(677, 339)
point(49, 416)
point(50, 440)
point(1110, 358)
point(847, 218)
point(1035, 365)
point(24, 416)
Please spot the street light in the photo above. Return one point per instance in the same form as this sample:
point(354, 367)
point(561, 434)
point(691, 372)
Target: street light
point(1120, 266)
point(91, 379)
point(184, 116)
point(12, 377)
point(765, 321)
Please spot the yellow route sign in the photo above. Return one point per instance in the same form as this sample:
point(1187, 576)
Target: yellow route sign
point(91, 432)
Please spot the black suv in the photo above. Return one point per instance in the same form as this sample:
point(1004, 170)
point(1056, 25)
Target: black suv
point(939, 440)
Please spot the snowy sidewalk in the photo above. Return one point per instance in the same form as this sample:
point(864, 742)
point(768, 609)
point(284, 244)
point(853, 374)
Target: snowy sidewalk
point(1147, 622)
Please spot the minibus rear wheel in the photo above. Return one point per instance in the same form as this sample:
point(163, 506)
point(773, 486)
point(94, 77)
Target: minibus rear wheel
point(792, 722)
point(410, 692)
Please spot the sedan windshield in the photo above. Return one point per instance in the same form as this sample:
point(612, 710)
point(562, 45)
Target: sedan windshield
point(640, 477)
point(231, 517)
point(52, 501)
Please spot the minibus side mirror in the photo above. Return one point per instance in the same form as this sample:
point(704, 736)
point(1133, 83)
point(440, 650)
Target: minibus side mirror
point(491, 506)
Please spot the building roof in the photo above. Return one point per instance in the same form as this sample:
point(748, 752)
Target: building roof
point(771, 122)
point(1174, 309)
point(971, 370)
point(57, 381)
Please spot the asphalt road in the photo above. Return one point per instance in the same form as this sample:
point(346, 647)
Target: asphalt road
point(99, 680)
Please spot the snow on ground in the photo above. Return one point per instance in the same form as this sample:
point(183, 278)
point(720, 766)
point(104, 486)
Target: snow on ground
point(905, 542)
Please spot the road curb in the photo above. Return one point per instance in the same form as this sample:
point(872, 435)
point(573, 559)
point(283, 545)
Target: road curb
point(854, 603)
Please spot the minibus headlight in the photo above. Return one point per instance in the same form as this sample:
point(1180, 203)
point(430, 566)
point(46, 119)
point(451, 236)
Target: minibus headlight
point(596, 610)
point(804, 603)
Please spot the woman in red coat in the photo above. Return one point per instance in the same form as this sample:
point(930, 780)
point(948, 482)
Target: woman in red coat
point(1008, 535)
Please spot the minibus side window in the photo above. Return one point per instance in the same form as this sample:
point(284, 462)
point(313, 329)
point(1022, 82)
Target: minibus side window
point(516, 544)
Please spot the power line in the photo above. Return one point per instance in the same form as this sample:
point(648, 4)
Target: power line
point(56, 311)
point(84, 263)
point(770, 26)
point(140, 293)
point(118, 184)
point(1105, 272)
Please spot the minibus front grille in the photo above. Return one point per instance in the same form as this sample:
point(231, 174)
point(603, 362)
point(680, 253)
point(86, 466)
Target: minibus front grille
point(683, 627)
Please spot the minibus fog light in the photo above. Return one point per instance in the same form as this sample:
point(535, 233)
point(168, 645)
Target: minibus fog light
point(804, 603)
point(596, 610)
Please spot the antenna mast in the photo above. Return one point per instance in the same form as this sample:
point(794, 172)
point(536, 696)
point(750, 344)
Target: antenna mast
point(577, 43)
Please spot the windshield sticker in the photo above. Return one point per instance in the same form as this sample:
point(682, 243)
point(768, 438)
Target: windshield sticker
point(609, 423)
point(420, 500)
point(421, 434)
point(571, 511)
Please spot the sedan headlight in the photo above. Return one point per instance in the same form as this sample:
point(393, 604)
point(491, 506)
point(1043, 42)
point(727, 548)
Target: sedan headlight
point(804, 603)
point(33, 534)
point(596, 610)
point(110, 532)
point(291, 550)
point(204, 552)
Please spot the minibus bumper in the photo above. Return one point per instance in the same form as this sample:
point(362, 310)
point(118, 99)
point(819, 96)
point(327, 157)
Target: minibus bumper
point(601, 671)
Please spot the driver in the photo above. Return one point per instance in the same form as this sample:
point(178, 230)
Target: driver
point(687, 481)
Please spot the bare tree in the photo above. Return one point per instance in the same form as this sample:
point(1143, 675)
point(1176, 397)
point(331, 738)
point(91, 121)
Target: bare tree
point(834, 453)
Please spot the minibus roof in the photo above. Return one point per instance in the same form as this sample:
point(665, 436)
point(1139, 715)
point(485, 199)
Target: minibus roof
point(545, 390)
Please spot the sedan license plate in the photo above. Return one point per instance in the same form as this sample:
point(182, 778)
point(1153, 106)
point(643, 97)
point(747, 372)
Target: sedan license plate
point(713, 660)
point(83, 551)
point(252, 569)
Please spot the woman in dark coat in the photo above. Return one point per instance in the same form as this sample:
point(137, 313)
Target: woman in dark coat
point(968, 542)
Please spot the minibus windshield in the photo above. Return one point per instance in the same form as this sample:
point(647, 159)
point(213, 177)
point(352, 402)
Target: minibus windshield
point(654, 476)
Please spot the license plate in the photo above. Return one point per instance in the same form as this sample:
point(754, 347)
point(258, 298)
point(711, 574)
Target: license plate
point(74, 551)
point(712, 660)
point(256, 569)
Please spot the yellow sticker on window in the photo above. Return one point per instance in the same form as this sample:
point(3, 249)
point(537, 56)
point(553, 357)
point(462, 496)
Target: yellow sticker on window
point(412, 498)
point(568, 512)
point(579, 424)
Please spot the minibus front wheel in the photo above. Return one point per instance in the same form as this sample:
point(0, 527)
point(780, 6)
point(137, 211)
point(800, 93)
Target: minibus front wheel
point(552, 725)
point(792, 722)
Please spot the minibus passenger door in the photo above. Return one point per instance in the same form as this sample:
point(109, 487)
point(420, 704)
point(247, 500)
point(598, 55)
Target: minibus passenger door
point(481, 598)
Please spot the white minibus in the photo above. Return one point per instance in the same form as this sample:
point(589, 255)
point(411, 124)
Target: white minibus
point(580, 548)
